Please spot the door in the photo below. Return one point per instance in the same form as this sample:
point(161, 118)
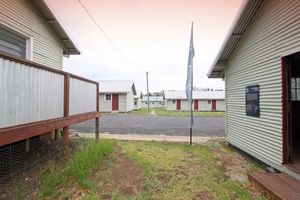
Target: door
point(115, 102)
point(178, 105)
point(291, 106)
point(196, 105)
point(213, 105)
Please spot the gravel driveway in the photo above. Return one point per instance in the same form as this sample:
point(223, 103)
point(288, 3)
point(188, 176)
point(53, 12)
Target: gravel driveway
point(154, 125)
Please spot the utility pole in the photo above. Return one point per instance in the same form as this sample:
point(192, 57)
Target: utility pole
point(148, 91)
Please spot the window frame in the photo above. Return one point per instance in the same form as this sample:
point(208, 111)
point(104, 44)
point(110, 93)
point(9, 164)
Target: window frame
point(295, 89)
point(29, 40)
point(107, 95)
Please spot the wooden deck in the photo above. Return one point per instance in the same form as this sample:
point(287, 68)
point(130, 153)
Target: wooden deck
point(276, 185)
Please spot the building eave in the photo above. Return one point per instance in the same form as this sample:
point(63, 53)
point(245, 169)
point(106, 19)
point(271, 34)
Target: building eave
point(235, 33)
point(69, 47)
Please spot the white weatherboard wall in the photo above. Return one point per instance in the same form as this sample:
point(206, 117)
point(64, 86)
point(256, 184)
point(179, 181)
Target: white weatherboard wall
point(31, 94)
point(203, 105)
point(220, 105)
point(82, 96)
point(130, 101)
point(104, 105)
point(122, 102)
point(22, 16)
point(273, 33)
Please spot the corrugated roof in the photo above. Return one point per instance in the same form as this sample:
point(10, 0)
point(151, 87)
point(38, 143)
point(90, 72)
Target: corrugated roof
point(196, 95)
point(69, 46)
point(116, 87)
point(240, 24)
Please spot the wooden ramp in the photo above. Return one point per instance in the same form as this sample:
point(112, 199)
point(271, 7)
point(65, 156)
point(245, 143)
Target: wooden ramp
point(276, 185)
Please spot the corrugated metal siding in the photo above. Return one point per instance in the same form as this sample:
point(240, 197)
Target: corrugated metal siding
point(29, 94)
point(274, 31)
point(82, 96)
point(23, 16)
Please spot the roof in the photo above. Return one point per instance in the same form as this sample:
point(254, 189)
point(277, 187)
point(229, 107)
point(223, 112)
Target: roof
point(238, 28)
point(153, 98)
point(116, 87)
point(69, 46)
point(138, 94)
point(196, 95)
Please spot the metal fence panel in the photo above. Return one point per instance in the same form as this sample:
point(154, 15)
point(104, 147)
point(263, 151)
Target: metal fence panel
point(29, 94)
point(82, 96)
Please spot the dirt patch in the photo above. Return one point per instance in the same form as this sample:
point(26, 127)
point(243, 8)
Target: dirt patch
point(233, 165)
point(124, 177)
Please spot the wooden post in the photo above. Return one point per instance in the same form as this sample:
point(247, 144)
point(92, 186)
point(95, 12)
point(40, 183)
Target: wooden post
point(66, 113)
point(27, 143)
point(66, 141)
point(97, 122)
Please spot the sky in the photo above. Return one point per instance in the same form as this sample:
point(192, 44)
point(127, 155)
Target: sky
point(124, 39)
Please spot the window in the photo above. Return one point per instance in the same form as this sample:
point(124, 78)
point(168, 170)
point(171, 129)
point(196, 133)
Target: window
point(208, 101)
point(295, 89)
point(173, 101)
point(15, 43)
point(135, 102)
point(107, 97)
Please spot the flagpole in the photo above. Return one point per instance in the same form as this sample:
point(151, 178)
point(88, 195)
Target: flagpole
point(189, 83)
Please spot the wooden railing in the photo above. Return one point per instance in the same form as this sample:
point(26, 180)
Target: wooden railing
point(36, 99)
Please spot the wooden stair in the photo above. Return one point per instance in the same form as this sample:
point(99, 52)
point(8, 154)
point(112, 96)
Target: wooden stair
point(276, 185)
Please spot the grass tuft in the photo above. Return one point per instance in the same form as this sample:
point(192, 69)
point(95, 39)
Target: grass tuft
point(87, 159)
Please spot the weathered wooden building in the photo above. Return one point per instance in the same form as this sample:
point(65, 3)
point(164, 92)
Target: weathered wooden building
point(260, 62)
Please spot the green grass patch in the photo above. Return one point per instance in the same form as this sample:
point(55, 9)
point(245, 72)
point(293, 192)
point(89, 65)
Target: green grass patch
point(164, 112)
point(77, 169)
point(169, 171)
point(177, 171)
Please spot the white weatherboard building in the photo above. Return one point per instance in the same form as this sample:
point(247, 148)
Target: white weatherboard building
point(154, 102)
point(260, 62)
point(202, 100)
point(36, 96)
point(138, 100)
point(117, 96)
point(29, 30)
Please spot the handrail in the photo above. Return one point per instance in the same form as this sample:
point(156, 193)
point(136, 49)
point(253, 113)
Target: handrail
point(19, 131)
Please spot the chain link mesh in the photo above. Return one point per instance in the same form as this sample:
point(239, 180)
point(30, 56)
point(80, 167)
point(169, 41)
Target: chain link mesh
point(21, 162)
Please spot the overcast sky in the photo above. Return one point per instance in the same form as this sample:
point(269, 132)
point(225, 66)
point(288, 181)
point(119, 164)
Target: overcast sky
point(145, 35)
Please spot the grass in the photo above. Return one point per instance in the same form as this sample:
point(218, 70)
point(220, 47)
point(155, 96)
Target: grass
point(179, 170)
point(163, 112)
point(76, 170)
point(170, 171)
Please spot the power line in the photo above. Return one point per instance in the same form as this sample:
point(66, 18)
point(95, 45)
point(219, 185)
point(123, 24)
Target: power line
point(110, 41)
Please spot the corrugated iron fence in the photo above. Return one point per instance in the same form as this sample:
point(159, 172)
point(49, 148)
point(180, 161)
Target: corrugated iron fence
point(37, 106)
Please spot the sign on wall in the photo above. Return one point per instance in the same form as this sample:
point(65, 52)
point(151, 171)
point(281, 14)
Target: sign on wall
point(252, 100)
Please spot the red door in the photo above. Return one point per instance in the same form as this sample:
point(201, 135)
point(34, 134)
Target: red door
point(213, 105)
point(178, 105)
point(195, 104)
point(115, 102)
